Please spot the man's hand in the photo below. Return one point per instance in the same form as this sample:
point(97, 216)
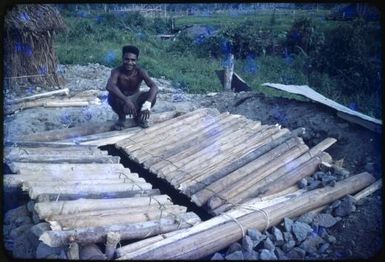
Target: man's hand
point(145, 111)
point(129, 108)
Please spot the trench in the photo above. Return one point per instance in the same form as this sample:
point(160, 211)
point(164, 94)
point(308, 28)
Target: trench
point(164, 187)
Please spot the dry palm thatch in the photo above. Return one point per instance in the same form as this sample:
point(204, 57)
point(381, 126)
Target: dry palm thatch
point(29, 55)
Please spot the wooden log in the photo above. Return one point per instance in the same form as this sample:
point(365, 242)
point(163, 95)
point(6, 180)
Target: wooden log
point(203, 196)
point(121, 251)
point(64, 159)
point(166, 126)
point(239, 190)
point(277, 174)
point(113, 238)
point(17, 167)
point(64, 91)
point(52, 183)
point(72, 103)
point(69, 207)
point(64, 189)
point(109, 212)
point(132, 231)
point(369, 190)
point(73, 178)
point(211, 132)
point(45, 197)
point(201, 244)
point(191, 189)
point(83, 129)
point(306, 169)
point(116, 219)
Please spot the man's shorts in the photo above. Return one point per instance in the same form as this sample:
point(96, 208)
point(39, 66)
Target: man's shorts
point(118, 104)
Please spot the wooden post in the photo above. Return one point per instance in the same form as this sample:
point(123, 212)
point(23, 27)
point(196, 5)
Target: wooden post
point(229, 71)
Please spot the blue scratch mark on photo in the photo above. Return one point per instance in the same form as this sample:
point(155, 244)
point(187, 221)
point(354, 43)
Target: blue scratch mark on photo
point(43, 70)
point(25, 49)
point(251, 65)
point(24, 17)
point(110, 57)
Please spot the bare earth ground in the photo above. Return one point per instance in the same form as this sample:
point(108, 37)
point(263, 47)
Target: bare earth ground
point(360, 235)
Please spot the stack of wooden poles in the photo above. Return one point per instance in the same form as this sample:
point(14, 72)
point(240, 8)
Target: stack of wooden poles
point(86, 194)
point(221, 160)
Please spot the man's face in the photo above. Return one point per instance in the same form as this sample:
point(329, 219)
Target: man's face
point(129, 61)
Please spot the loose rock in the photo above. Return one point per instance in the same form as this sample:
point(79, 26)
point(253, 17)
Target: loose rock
point(301, 230)
point(267, 255)
point(237, 255)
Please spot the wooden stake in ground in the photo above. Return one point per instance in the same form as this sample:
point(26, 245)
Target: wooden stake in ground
point(229, 71)
point(113, 238)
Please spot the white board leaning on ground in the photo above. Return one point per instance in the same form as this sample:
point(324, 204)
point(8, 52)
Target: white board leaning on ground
point(343, 111)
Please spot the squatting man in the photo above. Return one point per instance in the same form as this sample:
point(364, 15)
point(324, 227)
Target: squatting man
point(124, 95)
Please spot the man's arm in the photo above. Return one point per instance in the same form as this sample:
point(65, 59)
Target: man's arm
point(151, 84)
point(113, 88)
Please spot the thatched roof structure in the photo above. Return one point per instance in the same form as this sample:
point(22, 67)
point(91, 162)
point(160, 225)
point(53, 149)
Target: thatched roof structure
point(29, 56)
point(34, 18)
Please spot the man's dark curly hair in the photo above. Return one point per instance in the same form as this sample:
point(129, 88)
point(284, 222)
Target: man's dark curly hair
point(130, 49)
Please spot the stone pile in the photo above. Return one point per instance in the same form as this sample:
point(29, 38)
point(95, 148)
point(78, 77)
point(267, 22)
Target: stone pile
point(305, 237)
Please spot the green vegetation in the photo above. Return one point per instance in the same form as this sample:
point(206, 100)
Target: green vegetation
point(340, 59)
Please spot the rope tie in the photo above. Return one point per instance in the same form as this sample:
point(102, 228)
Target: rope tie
point(236, 221)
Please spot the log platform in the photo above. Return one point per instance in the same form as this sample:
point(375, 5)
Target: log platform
point(227, 164)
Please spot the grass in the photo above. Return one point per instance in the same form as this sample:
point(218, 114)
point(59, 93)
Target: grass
point(88, 41)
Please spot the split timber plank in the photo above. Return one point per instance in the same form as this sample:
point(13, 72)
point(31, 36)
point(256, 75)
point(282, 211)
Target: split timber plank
point(105, 188)
point(64, 168)
point(44, 150)
point(105, 138)
point(64, 91)
point(124, 194)
point(212, 239)
point(62, 158)
point(132, 231)
point(86, 129)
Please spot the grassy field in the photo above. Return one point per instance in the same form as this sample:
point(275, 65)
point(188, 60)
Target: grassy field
point(97, 39)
